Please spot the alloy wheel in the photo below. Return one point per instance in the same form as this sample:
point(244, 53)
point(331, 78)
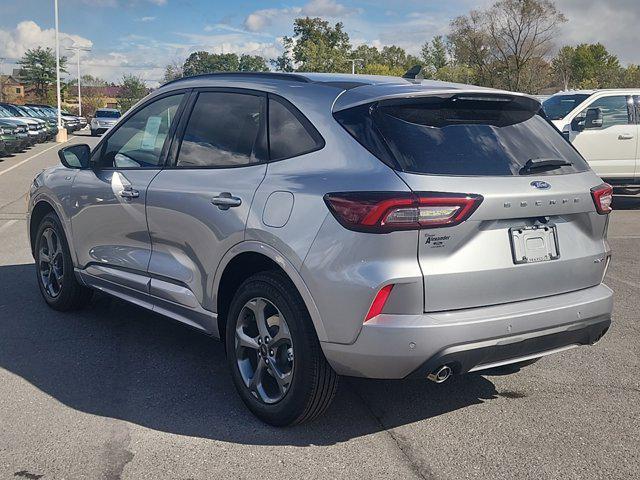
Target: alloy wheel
point(264, 350)
point(51, 262)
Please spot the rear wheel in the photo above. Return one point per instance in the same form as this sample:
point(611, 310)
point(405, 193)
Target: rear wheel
point(274, 354)
point(54, 268)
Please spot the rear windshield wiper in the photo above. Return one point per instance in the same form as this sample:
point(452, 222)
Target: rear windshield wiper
point(539, 164)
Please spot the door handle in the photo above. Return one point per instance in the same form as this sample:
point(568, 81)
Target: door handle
point(625, 136)
point(129, 193)
point(225, 201)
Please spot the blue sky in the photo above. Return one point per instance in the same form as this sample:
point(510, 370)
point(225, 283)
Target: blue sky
point(141, 36)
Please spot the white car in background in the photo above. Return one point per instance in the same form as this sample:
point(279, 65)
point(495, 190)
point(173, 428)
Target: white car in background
point(103, 120)
point(603, 125)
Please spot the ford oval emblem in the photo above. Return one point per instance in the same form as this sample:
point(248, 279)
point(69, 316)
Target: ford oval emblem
point(540, 185)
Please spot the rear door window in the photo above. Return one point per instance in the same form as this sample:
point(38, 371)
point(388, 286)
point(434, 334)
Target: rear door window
point(460, 135)
point(224, 130)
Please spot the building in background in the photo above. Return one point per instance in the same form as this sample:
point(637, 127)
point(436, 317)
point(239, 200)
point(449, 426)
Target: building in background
point(11, 89)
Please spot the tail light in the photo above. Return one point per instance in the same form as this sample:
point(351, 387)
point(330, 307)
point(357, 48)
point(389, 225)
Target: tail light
point(382, 212)
point(602, 197)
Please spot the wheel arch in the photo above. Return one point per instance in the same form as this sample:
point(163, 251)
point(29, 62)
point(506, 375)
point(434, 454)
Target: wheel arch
point(246, 259)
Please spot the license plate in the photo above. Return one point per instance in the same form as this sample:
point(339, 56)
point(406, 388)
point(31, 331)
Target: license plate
point(535, 244)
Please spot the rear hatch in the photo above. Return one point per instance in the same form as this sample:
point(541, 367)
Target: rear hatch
point(535, 232)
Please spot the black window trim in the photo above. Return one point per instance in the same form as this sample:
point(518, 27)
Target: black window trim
point(304, 121)
point(99, 148)
point(176, 142)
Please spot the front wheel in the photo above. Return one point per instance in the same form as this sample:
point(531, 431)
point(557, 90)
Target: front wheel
point(274, 354)
point(54, 268)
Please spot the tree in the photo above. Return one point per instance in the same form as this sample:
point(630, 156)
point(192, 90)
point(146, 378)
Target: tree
point(507, 43)
point(315, 46)
point(434, 54)
point(133, 89)
point(38, 68)
point(562, 66)
point(252, 63)
point(204, 62)
point(172, 71)
point(594, 67)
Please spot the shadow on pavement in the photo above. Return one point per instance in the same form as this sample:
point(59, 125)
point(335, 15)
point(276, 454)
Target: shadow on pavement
point(116, 360)
point(626, 202)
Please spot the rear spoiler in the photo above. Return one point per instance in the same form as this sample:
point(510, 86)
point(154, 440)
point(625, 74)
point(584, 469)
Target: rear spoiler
point(404, 90)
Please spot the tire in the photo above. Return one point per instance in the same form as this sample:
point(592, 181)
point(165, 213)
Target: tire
point(312, 382)
point(60, 288)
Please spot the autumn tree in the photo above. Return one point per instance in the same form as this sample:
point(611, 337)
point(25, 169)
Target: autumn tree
point(507, 43)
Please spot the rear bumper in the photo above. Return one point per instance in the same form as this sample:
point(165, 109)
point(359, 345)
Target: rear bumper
point(399, 346)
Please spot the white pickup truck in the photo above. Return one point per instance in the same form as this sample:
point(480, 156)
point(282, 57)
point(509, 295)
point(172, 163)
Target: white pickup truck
point(604, 126)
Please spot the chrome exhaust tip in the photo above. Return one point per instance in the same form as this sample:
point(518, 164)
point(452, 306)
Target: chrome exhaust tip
point(440, 375)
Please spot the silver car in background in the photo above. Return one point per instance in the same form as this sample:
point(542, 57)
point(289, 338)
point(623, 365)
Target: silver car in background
point(103, 120)
point(324, 225)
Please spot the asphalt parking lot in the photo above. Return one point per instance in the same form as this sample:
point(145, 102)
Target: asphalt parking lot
point(115, 392)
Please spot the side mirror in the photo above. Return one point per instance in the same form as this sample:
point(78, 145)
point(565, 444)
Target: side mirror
point(593, 118)
point(577, 124)
point(75, 156)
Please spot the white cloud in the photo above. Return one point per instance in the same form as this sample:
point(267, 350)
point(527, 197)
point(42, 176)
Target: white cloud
point(147, 19)
point(261, 19)
point(326, 8)
point(28, 34)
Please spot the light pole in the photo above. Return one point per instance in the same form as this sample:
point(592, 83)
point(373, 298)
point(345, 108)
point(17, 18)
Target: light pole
point(62, 132)
point(1, 80)
point(77, 49)
point(353, 64)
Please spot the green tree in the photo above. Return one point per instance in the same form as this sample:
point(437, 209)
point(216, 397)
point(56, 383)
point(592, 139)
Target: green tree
point(434, 54)
point(316, 46)
point(133, 89)
point(252, 63)
point(38, 68)
point(594, 67)
point(204, 62)
point(563, 66)
point(172, 71)
point(630, 77)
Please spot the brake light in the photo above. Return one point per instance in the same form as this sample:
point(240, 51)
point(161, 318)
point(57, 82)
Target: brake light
point(378, 302)
point(602, 198)
point(382, 212)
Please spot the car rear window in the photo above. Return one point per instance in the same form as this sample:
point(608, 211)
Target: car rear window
point(107, 114)
point(465, 135)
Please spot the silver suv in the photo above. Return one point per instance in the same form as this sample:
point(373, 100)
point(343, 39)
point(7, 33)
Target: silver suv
point(326, 225)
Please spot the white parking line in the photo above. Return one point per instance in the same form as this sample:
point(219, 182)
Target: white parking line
point(30, 158)
point(7, 225)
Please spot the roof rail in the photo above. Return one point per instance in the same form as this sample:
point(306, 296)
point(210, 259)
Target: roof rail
point(273, 75)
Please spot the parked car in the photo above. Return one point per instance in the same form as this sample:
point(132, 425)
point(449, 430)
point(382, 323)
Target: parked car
point(9, 135)
point(34, 131)
point(324, 225)
point(604, 126)
point(71, 123)
point(42, 133)
point(103, 120)
point(51, 126)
